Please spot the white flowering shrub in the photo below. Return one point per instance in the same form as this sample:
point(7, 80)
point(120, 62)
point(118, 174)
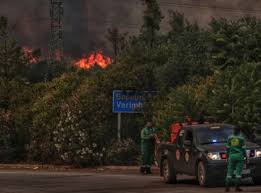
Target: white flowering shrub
point(72, 143)
point(125, 152)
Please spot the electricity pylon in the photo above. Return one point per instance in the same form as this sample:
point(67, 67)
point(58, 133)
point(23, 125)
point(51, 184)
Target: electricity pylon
point(55, 52)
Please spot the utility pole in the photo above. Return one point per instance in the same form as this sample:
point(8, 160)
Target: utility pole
point(56, 37)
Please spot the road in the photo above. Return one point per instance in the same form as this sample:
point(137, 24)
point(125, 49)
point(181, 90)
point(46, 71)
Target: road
point(82, 182)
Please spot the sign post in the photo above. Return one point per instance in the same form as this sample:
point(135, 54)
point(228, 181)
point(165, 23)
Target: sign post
point(119, 126)
point(128, 101)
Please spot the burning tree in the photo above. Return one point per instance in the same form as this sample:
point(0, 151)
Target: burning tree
point(33, 56)
point(93, 59)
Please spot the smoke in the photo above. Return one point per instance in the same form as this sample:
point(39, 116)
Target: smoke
point(203, 11)
point(104, 14)
point(76, 33)
point(86, 21)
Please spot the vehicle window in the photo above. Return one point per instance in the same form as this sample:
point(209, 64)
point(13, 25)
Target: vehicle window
point(213, 135)
point(180, 138)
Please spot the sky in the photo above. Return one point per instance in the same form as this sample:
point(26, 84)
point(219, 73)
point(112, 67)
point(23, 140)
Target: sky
point(86, 21)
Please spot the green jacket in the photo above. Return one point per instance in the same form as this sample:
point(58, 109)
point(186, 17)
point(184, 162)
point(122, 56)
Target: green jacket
point(146, 135)
point(236, 145)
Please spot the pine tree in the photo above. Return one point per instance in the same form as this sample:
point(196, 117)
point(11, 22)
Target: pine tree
point(117, 41)
point(152, 18)
point(11, 63)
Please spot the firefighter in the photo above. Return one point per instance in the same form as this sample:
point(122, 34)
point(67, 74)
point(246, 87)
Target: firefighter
point(236, 159)
point(174, 128)
point(147, 148)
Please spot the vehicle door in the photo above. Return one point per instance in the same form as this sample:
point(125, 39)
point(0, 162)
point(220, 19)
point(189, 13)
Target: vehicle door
point(179, 152)
point(190, 151)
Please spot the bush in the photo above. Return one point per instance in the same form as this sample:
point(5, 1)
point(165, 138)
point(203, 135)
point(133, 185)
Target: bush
point(125, 152)
point(73, 144)
point(7, 139)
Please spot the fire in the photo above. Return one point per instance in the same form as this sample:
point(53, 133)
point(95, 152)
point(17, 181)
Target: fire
point(28, 53)
point(95, 58)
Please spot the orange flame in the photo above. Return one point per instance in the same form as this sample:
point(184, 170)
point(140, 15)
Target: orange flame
point(28, 53)
point(94, 58)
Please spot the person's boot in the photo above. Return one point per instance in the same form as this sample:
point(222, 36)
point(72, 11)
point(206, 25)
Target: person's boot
point(228, 183)
point(237, 183)
point(227, 188)
point(148, 170)
point(238, 189)
point(142, 170)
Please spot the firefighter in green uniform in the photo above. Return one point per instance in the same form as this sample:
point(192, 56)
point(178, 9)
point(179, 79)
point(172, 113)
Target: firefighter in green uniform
point(236, 159)
point(147, 148)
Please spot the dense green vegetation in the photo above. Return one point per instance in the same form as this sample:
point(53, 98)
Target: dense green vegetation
point(68, 119)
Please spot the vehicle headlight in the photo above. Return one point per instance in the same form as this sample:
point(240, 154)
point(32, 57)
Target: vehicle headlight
point(215, 156)
point(258, 153)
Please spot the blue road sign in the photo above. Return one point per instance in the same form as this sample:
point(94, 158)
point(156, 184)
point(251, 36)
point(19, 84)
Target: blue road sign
point(128, 101)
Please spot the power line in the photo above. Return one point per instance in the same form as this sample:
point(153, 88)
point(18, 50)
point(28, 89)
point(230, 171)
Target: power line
point(163, 4)
point(166, 4)
point(111, 22)
point(187, 5)
point(91, 22)
point(136, 26)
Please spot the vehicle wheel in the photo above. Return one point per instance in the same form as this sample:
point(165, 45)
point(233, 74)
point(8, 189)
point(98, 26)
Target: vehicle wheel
point(257, 180)
point(169, 174)
point(203, 178)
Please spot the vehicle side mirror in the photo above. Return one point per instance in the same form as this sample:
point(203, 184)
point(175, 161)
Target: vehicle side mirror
point(188, 143)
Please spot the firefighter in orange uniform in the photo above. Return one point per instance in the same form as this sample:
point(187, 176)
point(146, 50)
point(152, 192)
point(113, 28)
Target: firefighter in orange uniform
point(174, 128)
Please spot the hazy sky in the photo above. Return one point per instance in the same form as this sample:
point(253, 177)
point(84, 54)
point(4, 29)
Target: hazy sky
point(86, 21)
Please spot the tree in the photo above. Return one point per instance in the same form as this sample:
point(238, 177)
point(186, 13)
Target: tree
point(152, 18)
point(117, 41)
point(187, 100)
point(178, 23)
point(12, 63)
point(233, 43)
point(236, 94)
point(188, 56)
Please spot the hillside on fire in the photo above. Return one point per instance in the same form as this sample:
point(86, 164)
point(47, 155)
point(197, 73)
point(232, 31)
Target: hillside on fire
point(61, 112)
